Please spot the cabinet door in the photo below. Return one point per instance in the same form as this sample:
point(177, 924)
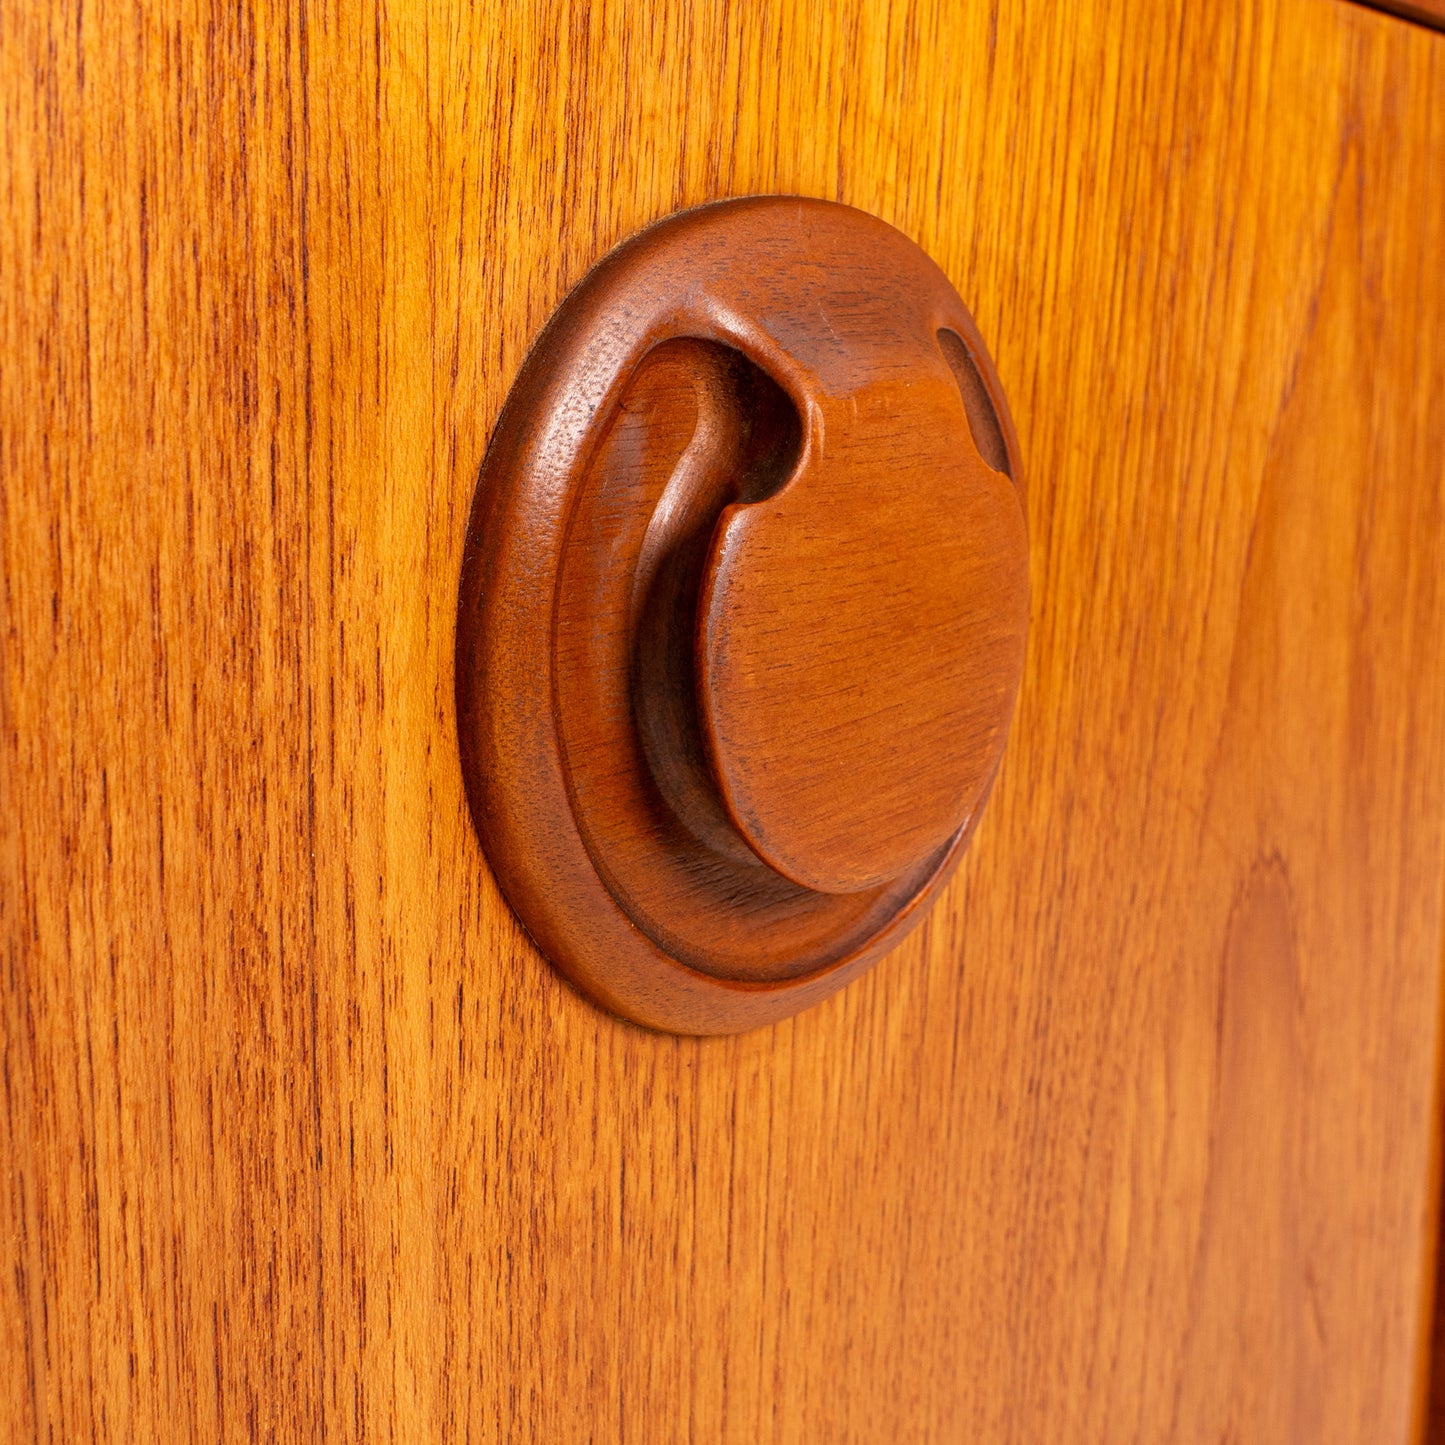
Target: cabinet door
point(1134, 1139)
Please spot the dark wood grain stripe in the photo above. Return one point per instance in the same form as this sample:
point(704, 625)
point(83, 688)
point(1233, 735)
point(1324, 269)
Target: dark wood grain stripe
point(1423, 12)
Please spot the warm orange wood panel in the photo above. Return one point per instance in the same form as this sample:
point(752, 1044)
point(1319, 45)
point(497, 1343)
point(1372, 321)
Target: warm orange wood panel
point(1133, 1141)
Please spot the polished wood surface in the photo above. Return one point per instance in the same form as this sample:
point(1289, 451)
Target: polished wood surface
point(301, 1138)
point(742, 619)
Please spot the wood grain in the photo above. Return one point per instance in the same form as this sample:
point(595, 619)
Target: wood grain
point(300, 1138)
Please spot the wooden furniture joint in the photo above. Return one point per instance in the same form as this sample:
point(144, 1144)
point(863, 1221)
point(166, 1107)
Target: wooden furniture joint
point(743, 611)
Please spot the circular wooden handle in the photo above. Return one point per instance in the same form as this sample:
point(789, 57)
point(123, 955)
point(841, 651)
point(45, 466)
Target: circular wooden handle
point(743, 614)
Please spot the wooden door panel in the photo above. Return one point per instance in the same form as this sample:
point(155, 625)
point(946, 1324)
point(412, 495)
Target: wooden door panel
point(1133, 1140)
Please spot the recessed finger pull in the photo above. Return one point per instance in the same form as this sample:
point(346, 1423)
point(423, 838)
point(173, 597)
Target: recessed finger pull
point(743, 612)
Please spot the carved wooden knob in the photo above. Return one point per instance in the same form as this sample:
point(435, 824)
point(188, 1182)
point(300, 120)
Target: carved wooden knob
point(743, 615)
point(860, 632)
